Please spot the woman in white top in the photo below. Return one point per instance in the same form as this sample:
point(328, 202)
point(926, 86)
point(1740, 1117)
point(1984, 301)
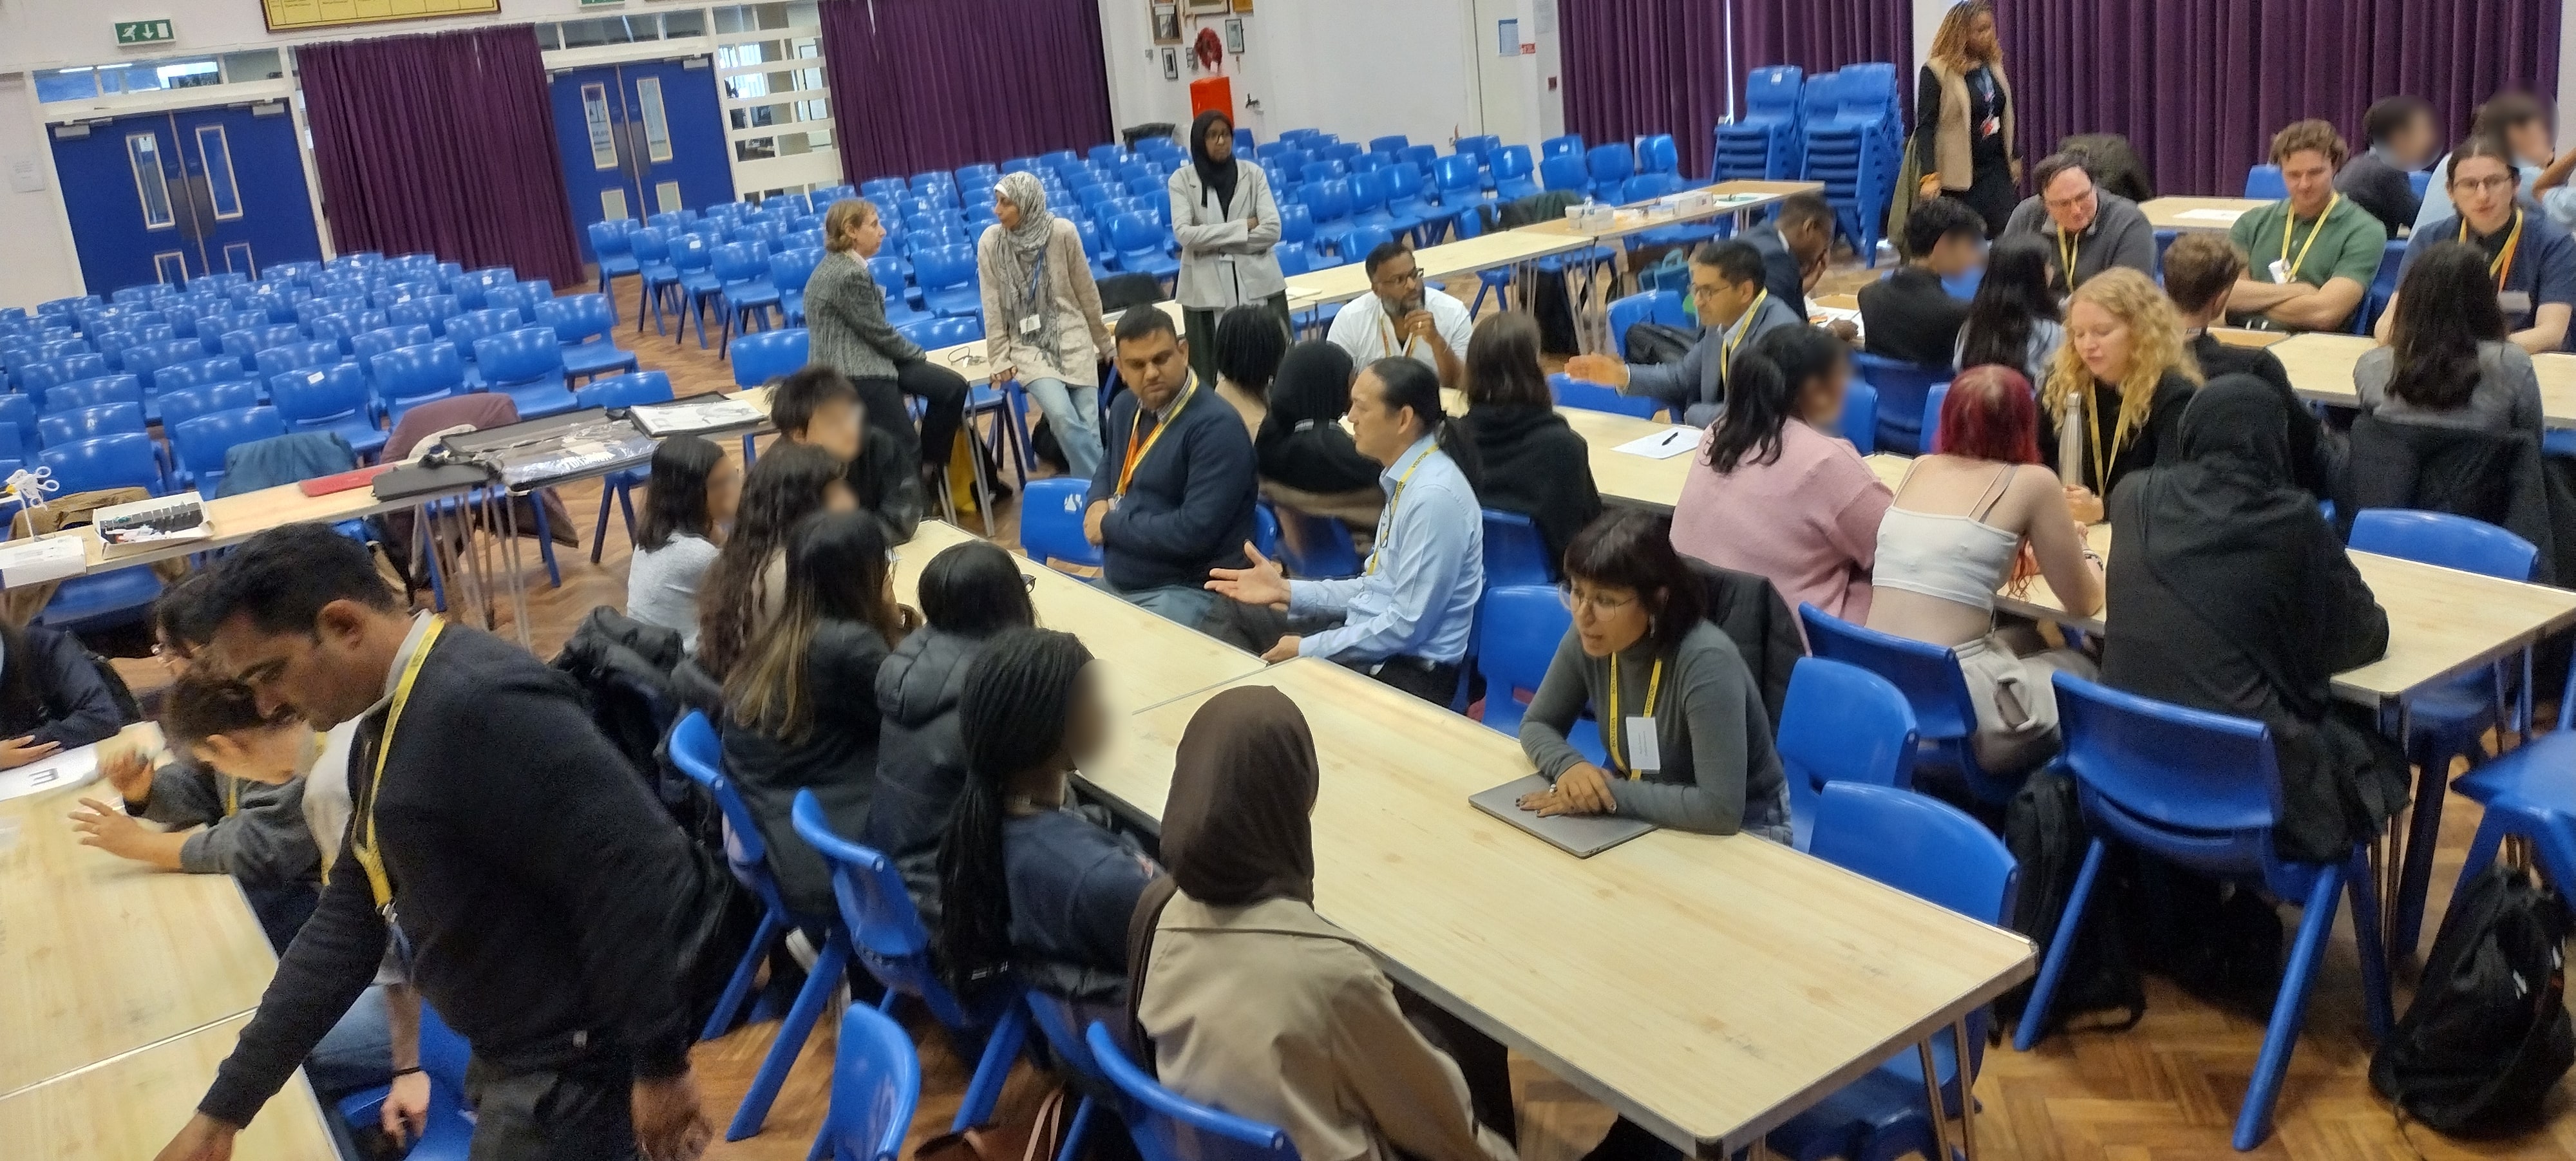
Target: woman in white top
point(1228, 228)
point(1042, 315)
point(1977, 514)
point(687, 508)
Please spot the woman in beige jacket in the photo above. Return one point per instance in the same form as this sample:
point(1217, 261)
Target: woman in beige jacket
point(1252, 1002)
point(1042, 316)
point(1963, 117)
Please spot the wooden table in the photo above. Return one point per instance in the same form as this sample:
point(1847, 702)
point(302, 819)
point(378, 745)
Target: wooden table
point(129, 1106)
point(1708, 988)
point(1448, 260)
point(2197, 213)
point(1624, 477)
point(2441, 621)
point(1735, 197)
point(101, 956)
point(2320, 367)
point(1148, 660)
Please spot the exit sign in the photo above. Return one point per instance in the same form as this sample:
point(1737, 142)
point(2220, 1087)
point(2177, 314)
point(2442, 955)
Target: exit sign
point(143, 32)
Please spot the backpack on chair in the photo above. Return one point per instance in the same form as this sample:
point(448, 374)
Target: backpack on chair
point(2044, 829)
point(2487, 1036)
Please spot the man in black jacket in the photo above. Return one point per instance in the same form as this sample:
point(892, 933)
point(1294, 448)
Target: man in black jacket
point(536, 890)
point(1910, 315)
point(819, 406)
point(1175, 492)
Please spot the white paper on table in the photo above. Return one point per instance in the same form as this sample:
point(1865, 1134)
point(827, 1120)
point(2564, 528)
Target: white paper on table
point(2223, 217)
point(69, 768)
point(27, 562)
point(1662, 445)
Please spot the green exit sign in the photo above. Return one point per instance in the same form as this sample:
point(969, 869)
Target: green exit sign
point(143, 32)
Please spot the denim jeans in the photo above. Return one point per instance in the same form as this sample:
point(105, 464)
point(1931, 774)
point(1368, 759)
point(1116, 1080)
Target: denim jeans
point(358, 1052)
point(1074, 412)
point(1180, 603)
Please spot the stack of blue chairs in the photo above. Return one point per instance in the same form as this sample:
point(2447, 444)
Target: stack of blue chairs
point(1766, 144)
point(1854, 139)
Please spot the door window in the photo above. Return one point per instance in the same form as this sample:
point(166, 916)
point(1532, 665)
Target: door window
point(657, 125)
point(143, 150)
point(612, 204)
point(215, 152)
point(603, 135)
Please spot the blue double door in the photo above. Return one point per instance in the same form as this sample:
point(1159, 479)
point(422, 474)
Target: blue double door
point(169, 196)
point(640, 138)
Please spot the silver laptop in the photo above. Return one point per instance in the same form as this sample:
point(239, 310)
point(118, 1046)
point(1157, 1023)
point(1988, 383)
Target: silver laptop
point(1579, 835)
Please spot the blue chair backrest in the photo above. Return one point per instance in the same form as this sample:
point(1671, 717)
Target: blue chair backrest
point(1841, 722)
point(1051, 521)
point(698, 753)
point(1359, 243)
point(1772, 93)
point(1656, 153)
point(19, 412)
point(1634, 309)
point(94, 392)
point(1569, 144)
point(1917, 844)
point(1927, 673)
point(1515, 554)
point(625, 390)
point(886, 932)
point(1611, 162)
point(1565, 172)
point(308, 396)
point(2182, 768)
point(1860, 416)
point(202, 442)
point(1456, 175)
point(790, 270)
point(1168, 1127)
point(526, 355)
point(1520, 627)
point(416, 372)
point(876, 1088)
point(123, 460)
point(1573, 392)
point(1902, 390)
point(64, 427)
point(2440, 538)
point(2263, 182)
point(1646, 187)
point(473, 326)
point(179, 407)
point(1933, 401)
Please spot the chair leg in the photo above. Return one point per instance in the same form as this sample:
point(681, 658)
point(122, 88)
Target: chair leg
point(826, 975)
point(2432, 785)
point(1073, 1133)
point(738, 988)
point(984, 1089)
point(2379, 1009)
point(2482, 850)
point(626, 508)
point(599, 536)
point(546, 537)
point(2289, 1009)
point(2034, 1015)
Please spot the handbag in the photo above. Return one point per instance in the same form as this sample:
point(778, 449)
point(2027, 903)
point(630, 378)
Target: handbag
point(1038, 1140)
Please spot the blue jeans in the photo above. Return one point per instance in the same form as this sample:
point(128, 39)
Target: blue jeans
point(1074, 413)
point(358, 1052)
point(1179, 603)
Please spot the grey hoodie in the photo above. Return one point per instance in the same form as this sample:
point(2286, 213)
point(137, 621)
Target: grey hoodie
point(264, 842)
point(921, 757)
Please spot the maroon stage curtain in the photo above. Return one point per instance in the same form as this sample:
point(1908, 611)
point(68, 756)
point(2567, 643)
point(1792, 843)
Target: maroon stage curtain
point(441, 143)
point(2200, 86)
point(1635, 67)
point(935, 84)
point(1820, 36)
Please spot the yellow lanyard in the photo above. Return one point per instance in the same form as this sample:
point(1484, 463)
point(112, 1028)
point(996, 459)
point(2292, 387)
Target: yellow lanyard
point(2068, 246)
point(1136, 454)
point(2289, 220)
point(1743, 327)
point(362, 837)
point(232, 796)
point(1386, 523)
point(2091, 419)
point(1618, 726)
point(1386, 334)
point(2501, 266)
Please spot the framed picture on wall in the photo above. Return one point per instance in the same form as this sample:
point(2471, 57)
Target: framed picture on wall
point(1243, 5)
point(1167, 23)
point(1208, 5)
point(1171, 64)
point(1234, 35)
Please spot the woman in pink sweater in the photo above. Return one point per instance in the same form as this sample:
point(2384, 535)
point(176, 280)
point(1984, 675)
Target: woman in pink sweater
point(1776, 492)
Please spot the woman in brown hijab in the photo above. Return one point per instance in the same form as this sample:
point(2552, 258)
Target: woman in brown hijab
point(1251, 1001)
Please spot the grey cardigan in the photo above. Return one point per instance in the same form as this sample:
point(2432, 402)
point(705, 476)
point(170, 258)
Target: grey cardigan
point(1719, 774)
point(845, 321)
point(2506, 398)
point(1223, 261)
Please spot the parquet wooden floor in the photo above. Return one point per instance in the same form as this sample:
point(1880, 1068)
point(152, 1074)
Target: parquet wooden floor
point(2166, 1090)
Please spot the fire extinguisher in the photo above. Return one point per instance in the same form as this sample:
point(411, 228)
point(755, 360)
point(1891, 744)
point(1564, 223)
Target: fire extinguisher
point(1208, 49)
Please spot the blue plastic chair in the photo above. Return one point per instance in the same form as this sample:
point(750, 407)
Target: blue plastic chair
point(2451, 718)
point(1518, 630)
point(122, 460)
point(789, 272)
point(96, 392)
point(768, 356)
point(1564, 173)
point(407, 377)
point(1859, 424)
point(1515, 554)
point(1903, 389)
point(743, 272)
point(1573, 392)
point(876, 1088)
point(2202, 790)
point(1167, 1127)
point(202, 443)
point(1932, 401)
point(526, 365)
point(1051, 522)
point(1317, 547)
point(19, 413)
point(1610, 167)
point(72, 426)
point(1510, 168)
point(443, 1056)
point(1634, 309)
point(1945, 717)
point(699, 754)
point(878, 926)
point(179, 407)
point(2263, 183)
point(332, 399)
point(1841, 723)
point(586, 324)
point(2528, 792)
point(626, 390)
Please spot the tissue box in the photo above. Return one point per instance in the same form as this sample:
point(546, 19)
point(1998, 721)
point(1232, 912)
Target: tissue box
point(1591, 216)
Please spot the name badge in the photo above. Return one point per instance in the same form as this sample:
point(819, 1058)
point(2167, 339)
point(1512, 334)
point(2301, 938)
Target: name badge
point(1645, 755)
point(1990, 126)
point(1029, 326)
point(2280, 270)
point(2514, 303)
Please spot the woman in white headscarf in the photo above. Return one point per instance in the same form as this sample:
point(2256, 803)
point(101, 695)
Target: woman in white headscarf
point(1042, 315)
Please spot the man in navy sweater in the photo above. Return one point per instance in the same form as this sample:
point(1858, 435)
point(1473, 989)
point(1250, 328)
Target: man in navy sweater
point(1175, 492)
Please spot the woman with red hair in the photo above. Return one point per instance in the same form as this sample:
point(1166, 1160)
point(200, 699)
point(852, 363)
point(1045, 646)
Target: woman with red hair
point(1966, 520)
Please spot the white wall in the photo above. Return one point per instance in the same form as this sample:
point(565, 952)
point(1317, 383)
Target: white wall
point(37, 261)
point(1355, 68)
point(41, 33)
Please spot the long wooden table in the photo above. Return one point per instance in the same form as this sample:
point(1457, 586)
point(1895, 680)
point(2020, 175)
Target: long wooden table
point(2320, 367)
point(1447, 260)
point(1708, 988)
point(1148, 660)
point(129, 1106)
point(1737, 198)
point(2206, 214)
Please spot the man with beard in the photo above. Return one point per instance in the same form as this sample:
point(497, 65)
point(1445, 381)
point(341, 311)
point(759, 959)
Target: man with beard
point(1402, 319)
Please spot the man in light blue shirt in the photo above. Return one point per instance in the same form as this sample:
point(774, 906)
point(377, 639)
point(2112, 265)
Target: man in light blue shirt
point(1406, 618)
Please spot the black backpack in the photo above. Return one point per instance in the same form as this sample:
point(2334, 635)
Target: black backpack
point(2044, 829)
point(2487, 1036)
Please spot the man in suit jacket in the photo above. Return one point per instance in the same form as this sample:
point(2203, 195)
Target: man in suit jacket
point(1175, 491)
point(1735, 307)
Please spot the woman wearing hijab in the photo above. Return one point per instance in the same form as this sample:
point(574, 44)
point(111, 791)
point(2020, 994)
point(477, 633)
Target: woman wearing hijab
point(2235, 596)
point(1227, 225)
point(1252, 1002)
point(1308, 461)
point(1042, 313)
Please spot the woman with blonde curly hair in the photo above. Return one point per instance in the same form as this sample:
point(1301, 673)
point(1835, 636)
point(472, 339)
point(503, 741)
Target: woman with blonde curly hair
point(2117, 388)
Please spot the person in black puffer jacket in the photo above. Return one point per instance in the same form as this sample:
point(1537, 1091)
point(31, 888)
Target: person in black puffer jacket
point(968, 593)
point(1535, 464)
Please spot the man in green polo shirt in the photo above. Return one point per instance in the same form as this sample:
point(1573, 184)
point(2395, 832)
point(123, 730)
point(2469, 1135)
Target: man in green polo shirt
point(2314, 253)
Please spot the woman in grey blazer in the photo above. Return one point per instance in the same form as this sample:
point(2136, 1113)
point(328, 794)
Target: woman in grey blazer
point(1228, 227)
point(845, 320)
